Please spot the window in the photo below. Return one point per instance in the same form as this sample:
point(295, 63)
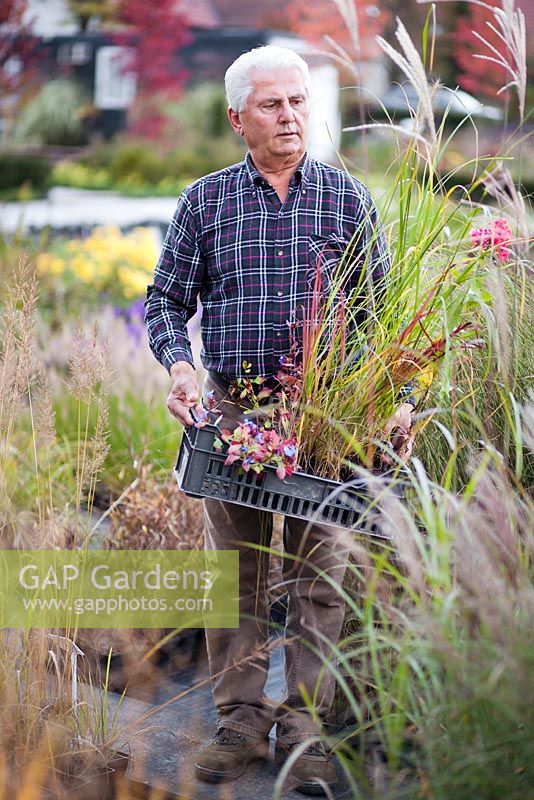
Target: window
point(115, 83)
point(74, 53)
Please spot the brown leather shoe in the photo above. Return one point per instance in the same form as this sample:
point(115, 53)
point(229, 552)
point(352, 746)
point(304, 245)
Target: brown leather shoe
point(311, 771)
point(228, 755)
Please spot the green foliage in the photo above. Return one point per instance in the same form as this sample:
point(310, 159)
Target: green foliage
point(132, 184)
point(199, 123)
point(437, 655)
point(53, 117)
point(80, 176)
point(202, 109)
point(135, 159)
point(475, 403)
point(438, 648)
point(139, 432)
point(197, 140)
point(17, 169)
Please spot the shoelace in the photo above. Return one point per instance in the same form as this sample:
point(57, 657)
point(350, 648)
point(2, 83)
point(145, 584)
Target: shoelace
point(316, 749)
point(313, 749)
point(226, 736)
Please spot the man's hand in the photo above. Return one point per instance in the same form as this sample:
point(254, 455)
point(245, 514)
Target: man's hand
point(184, 393)
point(397, 432)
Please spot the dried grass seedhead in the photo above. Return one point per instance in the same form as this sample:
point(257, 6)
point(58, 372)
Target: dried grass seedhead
point(58, 531)
point(88, 364)
point(132, 365)
point(409, 62)
point(399, 524)
point(96, 448)
point(509, 27)
point(348, 12)
point(500, 184)
point(17, 325)
point(44, 418)
point(493, 545)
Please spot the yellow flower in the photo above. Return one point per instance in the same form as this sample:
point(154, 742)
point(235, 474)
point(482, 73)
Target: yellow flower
point(82, 268)
point(133, 281)
point(108, 258)
point(425, 378)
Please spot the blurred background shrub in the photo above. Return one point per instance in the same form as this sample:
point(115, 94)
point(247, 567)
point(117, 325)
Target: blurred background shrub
point(54, 116)
point(20, 170)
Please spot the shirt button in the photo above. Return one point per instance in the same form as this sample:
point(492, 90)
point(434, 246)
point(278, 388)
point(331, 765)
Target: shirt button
point(280, 252)
point(279, 333)
point(304, 191)
point(280, 294)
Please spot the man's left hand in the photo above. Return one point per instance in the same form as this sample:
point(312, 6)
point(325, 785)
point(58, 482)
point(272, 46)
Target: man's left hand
point(397, 432)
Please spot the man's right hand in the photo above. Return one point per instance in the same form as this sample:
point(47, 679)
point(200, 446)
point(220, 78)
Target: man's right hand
point(184, 393)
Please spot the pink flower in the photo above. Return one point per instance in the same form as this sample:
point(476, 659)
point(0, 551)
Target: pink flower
point(271, 439)
point(498, 235)
point(255, 446)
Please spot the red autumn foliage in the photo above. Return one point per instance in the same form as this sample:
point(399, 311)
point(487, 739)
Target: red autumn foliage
point(155, 31)
point(17, 47)
point(315, 19)
point(477, 75)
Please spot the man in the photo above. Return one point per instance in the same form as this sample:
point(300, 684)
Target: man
point(245, 239)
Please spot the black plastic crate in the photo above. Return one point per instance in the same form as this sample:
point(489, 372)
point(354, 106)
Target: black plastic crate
point(201, 472)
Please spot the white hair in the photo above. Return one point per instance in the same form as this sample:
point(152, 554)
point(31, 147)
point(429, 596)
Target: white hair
point(238, 80)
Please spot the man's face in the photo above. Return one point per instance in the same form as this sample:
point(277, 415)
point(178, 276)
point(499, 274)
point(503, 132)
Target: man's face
point(275, 121)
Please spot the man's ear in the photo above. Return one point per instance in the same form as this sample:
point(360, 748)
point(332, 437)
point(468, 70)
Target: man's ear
point(235, 121)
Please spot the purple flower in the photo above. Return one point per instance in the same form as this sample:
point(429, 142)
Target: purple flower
point(290, 450)
point(137, 308)
point(134, 331)
point(133, 316)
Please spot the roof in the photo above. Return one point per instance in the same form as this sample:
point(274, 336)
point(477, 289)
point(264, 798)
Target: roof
point(237, 14)
point(200, 13)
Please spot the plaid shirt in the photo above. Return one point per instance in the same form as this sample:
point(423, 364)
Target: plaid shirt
point(253, 261)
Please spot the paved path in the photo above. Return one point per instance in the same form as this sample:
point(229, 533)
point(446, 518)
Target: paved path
point(78, 210)
point(163, 746)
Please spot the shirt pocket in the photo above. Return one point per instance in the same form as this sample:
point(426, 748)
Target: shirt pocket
point(325, 254)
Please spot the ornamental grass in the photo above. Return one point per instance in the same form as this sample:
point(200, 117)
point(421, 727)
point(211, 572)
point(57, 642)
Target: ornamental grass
point(355, 347)
point(435, 324)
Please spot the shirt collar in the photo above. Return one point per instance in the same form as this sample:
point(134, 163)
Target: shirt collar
point(300, 176)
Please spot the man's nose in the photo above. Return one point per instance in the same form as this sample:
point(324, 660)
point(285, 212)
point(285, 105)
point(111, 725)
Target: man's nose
point(287, 113)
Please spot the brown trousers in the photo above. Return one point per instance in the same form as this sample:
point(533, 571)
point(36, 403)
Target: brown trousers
point(314, 620)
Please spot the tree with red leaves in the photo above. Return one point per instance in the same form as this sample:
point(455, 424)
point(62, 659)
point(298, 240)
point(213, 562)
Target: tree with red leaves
point(478, 75)
point(155, 31)
point(16, 49)
point(353, 29)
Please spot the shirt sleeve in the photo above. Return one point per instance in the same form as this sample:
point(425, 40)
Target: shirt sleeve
point(171, 300)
